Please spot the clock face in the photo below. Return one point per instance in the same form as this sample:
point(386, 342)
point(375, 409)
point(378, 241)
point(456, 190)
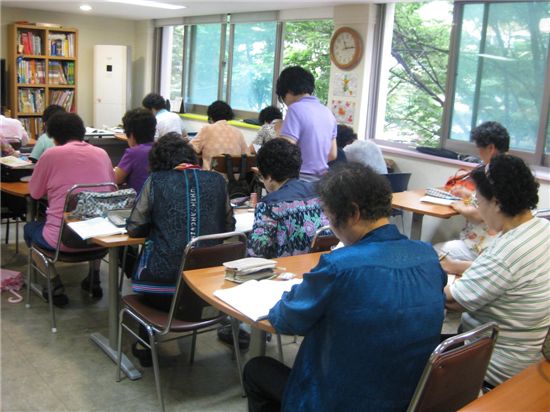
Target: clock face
point(345, 48)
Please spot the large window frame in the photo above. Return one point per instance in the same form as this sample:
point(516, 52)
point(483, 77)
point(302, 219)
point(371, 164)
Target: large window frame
point(538, 157)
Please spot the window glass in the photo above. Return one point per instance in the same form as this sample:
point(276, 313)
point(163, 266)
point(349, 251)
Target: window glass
point(204, 63)
point(253, 65)
point(306, 44)
point(171, 75)
point(413, 73)
point(501, 67)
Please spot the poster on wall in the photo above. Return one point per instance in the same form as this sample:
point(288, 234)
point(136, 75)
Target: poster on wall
point(345, 84)
point(343, 110)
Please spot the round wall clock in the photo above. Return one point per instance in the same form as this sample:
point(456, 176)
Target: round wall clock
point(346, 48)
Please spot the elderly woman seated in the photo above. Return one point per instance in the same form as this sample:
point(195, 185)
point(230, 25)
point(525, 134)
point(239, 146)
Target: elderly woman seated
point(509, 282)
point(287, 218)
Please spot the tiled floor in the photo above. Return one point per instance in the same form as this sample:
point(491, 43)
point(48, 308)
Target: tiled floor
point(41, 371)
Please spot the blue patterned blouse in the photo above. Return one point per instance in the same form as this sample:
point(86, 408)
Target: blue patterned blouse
point(285, 221)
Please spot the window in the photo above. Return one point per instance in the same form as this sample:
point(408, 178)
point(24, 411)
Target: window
point(172, 63)
point(413, 72)
point(204, 53)
point(253, 65)
point(501, 67)
point(306, 44)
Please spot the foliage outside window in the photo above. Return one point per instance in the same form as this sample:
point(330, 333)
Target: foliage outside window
point(418, 72)
point(253, 65)
point(306, 44)
point(205, 56)
point(501, 69)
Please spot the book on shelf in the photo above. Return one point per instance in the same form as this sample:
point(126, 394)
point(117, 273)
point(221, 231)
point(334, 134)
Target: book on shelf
point(31, 43)
point(33, 125)
point(61, 44)
point(62, 98)
point(255, 298)
point(31, 100)
point(31, 71)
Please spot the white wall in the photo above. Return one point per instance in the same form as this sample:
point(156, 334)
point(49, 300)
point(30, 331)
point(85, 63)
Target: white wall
point(94, 30)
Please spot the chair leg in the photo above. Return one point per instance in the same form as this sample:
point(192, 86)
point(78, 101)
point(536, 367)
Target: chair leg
point(193, 346)
point(280, 347)
point(119, 345)
point(7, 230)
point(235, 332)
point(122, 269)
point(30, 271)
point(156, 372)
point(49, 270)
point(17, 235)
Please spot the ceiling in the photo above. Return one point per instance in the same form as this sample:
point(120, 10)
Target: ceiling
point(193, 7)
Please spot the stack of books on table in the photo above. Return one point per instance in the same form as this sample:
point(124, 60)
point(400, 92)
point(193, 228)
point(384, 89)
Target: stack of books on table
point(245, 269)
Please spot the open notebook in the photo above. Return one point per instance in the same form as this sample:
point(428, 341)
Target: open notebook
point(255, 298)
point(99, 226)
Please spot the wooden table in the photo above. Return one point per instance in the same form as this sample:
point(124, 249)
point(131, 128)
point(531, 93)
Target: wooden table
point(527, 391)
point(21, 189)
point(109, 345)
point(410, 201)
point(204, 282)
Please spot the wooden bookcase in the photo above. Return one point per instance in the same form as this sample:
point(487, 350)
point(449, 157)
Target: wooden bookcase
point(42, 70)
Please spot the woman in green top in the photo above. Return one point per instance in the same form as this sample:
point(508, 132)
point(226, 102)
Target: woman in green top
point(44, 142)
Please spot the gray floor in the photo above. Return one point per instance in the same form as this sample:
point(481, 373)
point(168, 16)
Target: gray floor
point(41, 371)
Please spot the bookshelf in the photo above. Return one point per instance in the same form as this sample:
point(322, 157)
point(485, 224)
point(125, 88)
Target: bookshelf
point(42, 70)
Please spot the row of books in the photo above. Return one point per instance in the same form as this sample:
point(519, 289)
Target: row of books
point(60, 72)
point(31, 100)
point(33, 125)
point(29, 42)
point(61, 44)
point(31, 71)
point(64, 98)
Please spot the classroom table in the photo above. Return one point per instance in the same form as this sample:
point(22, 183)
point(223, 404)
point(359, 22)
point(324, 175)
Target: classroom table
point(21, 189)
point(410, 201)
point(527, 391)
point(109, 345)
point(204, 282)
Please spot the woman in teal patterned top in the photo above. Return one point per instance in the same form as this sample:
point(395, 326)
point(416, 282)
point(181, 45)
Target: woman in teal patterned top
point(287, 218)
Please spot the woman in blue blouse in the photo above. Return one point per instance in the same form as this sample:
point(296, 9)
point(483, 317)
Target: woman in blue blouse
point(287, 218)
point(370, 312)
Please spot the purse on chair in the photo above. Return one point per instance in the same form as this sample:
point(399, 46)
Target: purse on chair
point(97, 204)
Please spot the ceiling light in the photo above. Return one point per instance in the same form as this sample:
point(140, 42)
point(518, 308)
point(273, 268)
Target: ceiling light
point(85, 7)
point(149, 3)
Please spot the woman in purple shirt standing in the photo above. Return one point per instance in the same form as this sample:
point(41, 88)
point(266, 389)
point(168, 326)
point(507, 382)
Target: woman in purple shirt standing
point(307, 123)
point(139, 126)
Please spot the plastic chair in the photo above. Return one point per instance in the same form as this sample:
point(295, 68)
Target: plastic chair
point(48, 258)
point(399, 182)
point(322, 241)
point(455, 371)
point(187, 309)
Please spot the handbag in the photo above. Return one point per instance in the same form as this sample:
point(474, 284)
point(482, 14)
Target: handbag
point(460, 184)
point(97, 204)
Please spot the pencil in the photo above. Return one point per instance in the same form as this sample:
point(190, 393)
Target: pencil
point(443, 256)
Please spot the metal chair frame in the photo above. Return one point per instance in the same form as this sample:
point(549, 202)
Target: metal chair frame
point(48, 270)
point(447, 347)
point(157, 335)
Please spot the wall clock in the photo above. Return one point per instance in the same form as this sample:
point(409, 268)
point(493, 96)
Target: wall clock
point(346, 48)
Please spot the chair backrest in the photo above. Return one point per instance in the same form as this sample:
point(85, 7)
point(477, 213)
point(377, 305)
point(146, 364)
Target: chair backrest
point(399, 182)
point(66, 236)
point(322, 241)
point(186, 305)
point(455, 371)
point(218, 163)
point(241, 181)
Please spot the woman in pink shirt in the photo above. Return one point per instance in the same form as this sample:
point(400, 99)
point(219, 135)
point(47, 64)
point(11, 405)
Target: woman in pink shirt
point(72, 161)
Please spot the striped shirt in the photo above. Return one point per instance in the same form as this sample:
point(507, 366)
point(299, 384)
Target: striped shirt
point(509, 283)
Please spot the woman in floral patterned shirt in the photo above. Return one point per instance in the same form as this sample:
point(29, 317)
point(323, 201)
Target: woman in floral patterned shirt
point(287, 218)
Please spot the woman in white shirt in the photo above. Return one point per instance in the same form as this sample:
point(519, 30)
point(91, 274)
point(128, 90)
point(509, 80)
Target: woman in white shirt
point(166, 121)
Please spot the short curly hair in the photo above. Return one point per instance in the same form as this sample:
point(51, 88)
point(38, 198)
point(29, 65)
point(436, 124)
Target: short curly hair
point(296, 80)
point(491, 133)
point(154, 101)
point(279, 159)
point(64, 126)
point(510, 181)
point(345, 135)
point(351, 186)
point(268, 114)
point(50, 111)
point(141, 124)
point(220, 110)
point(169, 151)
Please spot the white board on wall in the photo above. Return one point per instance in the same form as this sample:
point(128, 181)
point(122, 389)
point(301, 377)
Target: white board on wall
point(112, 67)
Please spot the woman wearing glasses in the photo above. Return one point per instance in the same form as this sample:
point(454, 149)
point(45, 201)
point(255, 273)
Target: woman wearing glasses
point(509, 283)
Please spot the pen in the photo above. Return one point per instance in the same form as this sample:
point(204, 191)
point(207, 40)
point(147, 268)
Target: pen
point(443, 256)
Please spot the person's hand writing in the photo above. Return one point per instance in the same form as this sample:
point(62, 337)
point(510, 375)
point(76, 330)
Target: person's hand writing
point(454, 266)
